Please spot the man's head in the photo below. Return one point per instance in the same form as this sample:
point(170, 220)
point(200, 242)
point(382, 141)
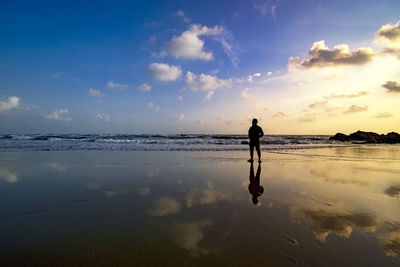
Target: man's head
point(254, 122)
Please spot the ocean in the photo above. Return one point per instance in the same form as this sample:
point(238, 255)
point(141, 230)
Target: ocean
point(174, 142)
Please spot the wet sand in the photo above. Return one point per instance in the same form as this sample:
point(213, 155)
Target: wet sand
point(319, 207)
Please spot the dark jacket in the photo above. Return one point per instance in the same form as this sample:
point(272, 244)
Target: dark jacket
point(255, 132)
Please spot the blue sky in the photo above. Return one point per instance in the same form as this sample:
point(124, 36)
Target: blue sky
point(195, 66)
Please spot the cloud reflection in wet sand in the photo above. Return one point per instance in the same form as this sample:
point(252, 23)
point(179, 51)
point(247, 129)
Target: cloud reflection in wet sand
point(164, 206)
point(9, 177)
point(392, 244)
point(189, 234)
point(323, 223)
point(144, 191)
point(390, 239)
point(205, 196)
point(57, 166)
point(324, 173)
point(113, 193)
point(393, 191)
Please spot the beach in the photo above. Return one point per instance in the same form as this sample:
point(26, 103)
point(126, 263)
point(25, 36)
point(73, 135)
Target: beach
point(333, 206)
point(131, 133)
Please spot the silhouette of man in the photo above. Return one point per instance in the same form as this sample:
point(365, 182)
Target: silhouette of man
point(255, 189)
point(255, 132)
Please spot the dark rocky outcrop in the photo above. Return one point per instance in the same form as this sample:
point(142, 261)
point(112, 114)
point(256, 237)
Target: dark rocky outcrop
point(340, 137)
point(392, 138)
point(368, 137)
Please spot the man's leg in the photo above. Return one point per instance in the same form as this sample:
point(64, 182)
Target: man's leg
point(251, 151)
point(258, 152)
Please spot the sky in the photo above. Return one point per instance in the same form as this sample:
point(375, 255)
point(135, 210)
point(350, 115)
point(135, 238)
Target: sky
point(141, 67)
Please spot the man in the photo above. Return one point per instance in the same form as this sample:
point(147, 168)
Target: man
point(255, 133)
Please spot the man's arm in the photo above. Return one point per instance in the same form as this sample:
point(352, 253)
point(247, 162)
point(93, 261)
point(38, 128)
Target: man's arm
point(261, 132)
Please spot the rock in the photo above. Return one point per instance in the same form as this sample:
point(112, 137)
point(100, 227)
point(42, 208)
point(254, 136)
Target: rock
point(340, 137)
point(368, 137)
point(392, 138)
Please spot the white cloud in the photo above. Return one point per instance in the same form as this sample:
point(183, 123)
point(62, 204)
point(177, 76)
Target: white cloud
point(355, 108)
point(308, 118)
point(188, 45)
point(182, 14)
point(389, 36)
point(228, 48)
point(164, 206)
point(113, 85)
point(382, 115)
point(250, 77)
point(200, 122)
point(237, 80)
point(244, 95)
point(152, 106)
point(104, 117)
point(95, 93)
point(145, 87)
point(389, 33)
point(205, 82)
point(279, 115)
point(318, 104)
point(297, 85)
point(322, 56)
point(164, 72)
point(180, 98)
point(266, 7)
point(152, 40)
point(215, 72)
point(11, 103)
point(60, 115)
point(269, 73)
point(73, 78)
point(358, 94)
point(181, 116)
point(209, 95)
point(161, 54)
point(392, 86)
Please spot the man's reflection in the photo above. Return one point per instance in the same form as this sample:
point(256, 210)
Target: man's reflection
point(255, 188)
